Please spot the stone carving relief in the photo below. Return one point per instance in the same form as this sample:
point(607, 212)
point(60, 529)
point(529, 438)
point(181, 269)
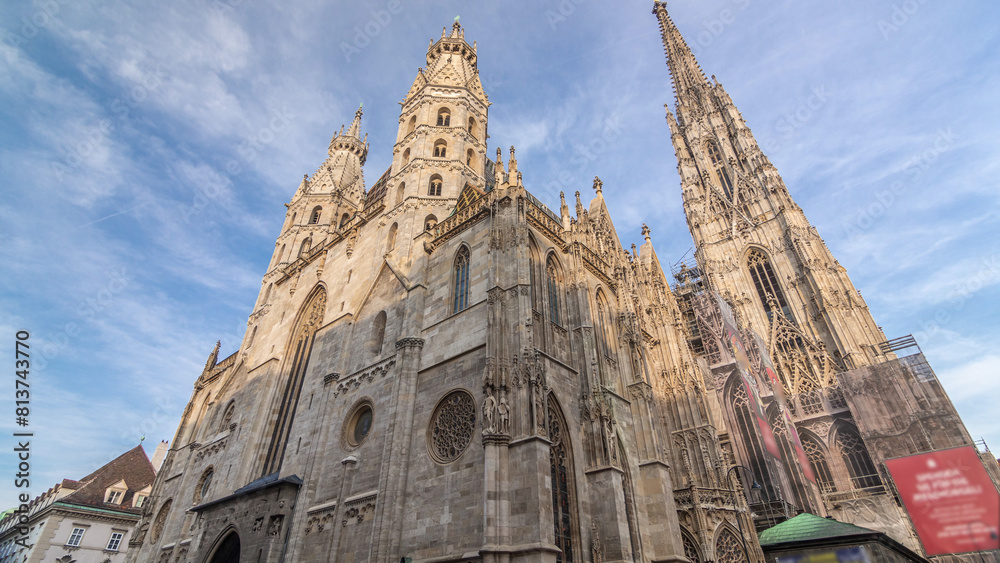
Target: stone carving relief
point(367, 375)
point(358, 510)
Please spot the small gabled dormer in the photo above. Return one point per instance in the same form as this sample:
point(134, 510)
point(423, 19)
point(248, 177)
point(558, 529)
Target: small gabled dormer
point(116, 493)
point(140, 496)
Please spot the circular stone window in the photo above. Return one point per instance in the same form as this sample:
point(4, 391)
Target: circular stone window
point(358, 424)
point(452, 426)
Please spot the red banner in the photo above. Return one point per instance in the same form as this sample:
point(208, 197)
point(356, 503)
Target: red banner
point(951, 500)
point(753, 395)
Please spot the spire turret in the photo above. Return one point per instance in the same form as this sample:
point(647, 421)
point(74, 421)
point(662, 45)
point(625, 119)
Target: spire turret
point(351, 141)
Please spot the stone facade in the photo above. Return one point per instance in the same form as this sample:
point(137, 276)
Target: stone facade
point(438, 368)
point(442, 368)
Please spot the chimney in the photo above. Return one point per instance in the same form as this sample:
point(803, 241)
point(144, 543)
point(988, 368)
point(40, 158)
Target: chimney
point(159, 455)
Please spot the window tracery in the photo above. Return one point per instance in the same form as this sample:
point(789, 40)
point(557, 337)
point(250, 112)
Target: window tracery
point(824, 478)
point(690, 551)
point(859, 463)
point(452, 426)
point(560, 461)
point(767, 283)
point(729, 549)
point(721, 171)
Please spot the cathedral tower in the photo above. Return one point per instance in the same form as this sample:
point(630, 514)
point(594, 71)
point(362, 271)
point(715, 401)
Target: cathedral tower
point(754, 244)
point(816, 426)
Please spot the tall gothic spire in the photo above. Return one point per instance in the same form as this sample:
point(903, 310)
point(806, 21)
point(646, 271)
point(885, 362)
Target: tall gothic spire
point(753, 243)
point(684, 68)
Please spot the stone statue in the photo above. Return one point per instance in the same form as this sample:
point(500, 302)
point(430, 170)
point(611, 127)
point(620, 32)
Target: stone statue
point(489, 411)
point(503, 416)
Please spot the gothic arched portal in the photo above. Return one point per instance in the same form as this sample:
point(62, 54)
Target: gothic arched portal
point(228, 550)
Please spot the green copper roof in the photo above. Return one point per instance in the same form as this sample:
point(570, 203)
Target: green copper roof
point(805, 527)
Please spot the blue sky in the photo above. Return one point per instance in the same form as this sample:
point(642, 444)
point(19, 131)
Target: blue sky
point(146, 150)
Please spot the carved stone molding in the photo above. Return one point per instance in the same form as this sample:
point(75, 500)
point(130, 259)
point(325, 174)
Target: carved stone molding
point(409, 342)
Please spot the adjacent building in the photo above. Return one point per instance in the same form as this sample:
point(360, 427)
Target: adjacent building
point(89, 520)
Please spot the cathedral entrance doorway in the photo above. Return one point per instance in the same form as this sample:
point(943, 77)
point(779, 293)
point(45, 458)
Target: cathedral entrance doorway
point(228, 551)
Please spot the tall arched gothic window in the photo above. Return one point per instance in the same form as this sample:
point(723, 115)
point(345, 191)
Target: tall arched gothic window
point(606, 328)
point(461, 280)
point(729, 549)
point(533, 262)
point(859, 463)
point(789, 458)
point(298, 351)
point(767, 283)
point(552, 281)
point(824, 478)
point(561, 464)
point(690, 549)
point(721, 172)
point(749, 434)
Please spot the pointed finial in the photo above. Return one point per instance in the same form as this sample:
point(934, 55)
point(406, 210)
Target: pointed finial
point(645, 232)
point(598, 184)
point(562, 198)
point(579, 205)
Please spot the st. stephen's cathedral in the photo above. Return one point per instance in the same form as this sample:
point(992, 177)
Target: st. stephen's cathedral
point(442, 369)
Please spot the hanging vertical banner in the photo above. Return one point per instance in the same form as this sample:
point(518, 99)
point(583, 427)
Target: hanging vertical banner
point(951, 500)
point(771, 376)
point(735, 341)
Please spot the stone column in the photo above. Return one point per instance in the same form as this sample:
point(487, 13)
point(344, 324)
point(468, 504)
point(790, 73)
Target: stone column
point(396, 462)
